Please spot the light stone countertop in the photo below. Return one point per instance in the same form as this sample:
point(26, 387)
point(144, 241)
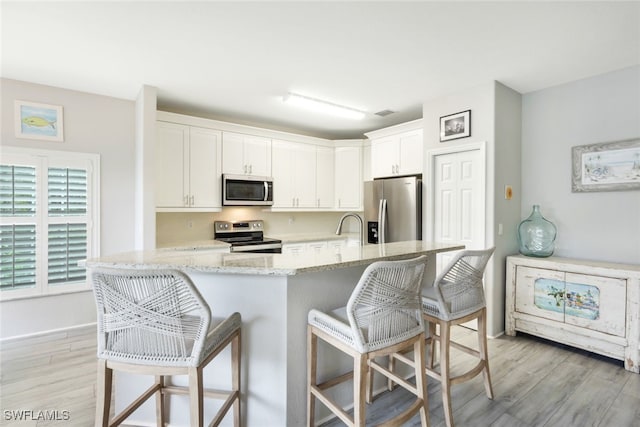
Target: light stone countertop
point(210, 259)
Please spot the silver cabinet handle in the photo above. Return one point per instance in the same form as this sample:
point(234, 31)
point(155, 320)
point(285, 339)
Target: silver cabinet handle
point(186, 200)
point(193, 200)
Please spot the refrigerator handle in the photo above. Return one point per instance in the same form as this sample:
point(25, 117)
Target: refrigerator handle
point(382, 221)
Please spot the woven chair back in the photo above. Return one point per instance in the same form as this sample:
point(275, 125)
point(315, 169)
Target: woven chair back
point(384, 308)
point(149, 317)
point(460, 283)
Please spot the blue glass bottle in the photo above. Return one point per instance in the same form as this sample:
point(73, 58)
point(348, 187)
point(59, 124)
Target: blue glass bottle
point(536, 235)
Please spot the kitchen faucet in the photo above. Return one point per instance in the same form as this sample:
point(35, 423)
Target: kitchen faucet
point(345, 216)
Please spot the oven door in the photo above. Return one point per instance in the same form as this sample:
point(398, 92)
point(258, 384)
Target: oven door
point(264, 248)
point(244, 190)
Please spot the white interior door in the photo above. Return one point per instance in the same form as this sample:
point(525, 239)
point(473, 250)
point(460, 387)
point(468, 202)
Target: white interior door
point(459, 208)
point(458, 181)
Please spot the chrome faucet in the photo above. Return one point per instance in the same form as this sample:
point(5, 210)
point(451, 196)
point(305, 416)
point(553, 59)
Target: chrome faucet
point(345, 216)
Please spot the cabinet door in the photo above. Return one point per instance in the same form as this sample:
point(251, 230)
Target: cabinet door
point(316, 247)
point(293, 248)
point(257, 155)
point(204, 164)
point(595, 302)
point(283, 172)
point(233, 153)
point(348, 178)
point(540, 292)
point(384, 157)
point(171, 165)
point(304, 177)
point(411, 161)
point(324, 177)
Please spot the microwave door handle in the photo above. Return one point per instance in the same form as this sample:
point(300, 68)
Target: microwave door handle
point(266, 191)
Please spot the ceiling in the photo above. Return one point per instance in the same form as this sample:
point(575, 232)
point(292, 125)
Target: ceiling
point(236, 61)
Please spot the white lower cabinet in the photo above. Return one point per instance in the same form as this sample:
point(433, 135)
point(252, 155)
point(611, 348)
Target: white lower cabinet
point(591, 305)
point(312, 247)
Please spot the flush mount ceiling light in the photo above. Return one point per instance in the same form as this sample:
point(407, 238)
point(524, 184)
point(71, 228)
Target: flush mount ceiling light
point(322, 106)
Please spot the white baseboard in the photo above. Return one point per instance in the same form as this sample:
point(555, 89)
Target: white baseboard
point(48, 332)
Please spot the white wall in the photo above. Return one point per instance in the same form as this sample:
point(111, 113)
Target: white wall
point(495, 119)
point(176, 228)
point(599, 225)
point(92, 124)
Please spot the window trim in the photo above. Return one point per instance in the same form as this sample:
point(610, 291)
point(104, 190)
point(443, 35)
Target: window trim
point(43, 159)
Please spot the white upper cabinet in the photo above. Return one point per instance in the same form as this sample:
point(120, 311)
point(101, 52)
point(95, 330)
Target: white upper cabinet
point(324, 177)
point(397, 150)
point(246, 154)
point(348, 178)
point(188, 161)
point(302, 175)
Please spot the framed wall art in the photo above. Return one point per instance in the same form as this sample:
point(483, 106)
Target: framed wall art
point(38, 121)
point(455, 126)
point(610, 166)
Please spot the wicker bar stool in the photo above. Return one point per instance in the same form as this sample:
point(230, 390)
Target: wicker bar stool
point(155, 322)
point(458, 297)
point(383, 316)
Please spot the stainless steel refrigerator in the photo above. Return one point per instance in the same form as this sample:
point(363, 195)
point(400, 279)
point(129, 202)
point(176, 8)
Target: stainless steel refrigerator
point(393, 209)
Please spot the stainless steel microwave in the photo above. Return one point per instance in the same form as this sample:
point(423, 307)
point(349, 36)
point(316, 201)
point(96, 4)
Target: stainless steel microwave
point(247, 190)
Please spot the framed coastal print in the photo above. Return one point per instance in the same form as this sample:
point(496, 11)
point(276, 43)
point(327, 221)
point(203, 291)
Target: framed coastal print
point(38, 121)
point(455, 126)
point(611, 166)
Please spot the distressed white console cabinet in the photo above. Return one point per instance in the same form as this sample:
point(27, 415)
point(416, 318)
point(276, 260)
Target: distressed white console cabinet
point(591, 305)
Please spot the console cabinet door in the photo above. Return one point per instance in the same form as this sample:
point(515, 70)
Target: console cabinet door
point(540, 293)
point(595, 302)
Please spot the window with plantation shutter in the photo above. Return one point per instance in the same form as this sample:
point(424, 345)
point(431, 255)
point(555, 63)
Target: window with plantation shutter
point(48, 221)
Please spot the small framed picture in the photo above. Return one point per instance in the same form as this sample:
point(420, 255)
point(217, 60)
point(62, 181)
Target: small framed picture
point(38, 121)
point(455, 126)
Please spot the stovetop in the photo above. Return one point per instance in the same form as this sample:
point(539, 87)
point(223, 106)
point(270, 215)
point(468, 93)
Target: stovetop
point(241, 232)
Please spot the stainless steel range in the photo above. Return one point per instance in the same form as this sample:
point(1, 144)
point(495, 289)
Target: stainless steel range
point(246, 236)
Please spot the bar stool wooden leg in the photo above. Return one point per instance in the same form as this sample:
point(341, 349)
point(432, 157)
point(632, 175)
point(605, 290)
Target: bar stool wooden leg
point(432, 344)
point(312, 367)
point(360, 368)
point(484, 354)
point(445, 337)
point(421, 382)
point(236, 350)
point(160, 380)
point(103, 398)
point(196, 397)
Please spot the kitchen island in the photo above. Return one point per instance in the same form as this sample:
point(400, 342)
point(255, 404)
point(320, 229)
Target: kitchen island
point(273, 293)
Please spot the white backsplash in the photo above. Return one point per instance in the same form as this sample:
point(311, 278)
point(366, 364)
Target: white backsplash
point(176, 228)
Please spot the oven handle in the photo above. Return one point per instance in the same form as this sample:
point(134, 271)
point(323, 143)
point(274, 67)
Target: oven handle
point(251, 248)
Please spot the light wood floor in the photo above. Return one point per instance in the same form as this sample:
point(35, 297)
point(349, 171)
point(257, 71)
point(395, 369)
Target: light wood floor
point(536, 383)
